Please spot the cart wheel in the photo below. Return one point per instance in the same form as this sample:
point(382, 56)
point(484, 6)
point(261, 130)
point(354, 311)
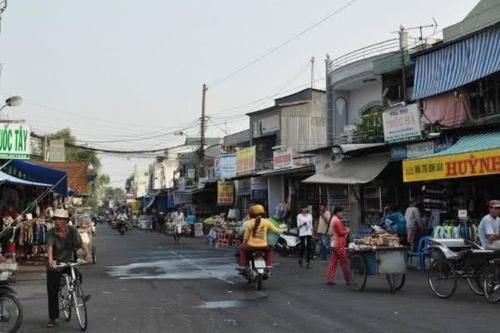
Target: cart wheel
point(492, 283)
point(476, 281)
point(359, 272)
point(442, 278)
point(395, 281)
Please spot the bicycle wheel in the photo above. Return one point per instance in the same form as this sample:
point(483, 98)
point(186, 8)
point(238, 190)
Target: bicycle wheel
point(442, 278)
point(491, 283)
point(11, 313)
point(65, 302)
point(80, 306)
point(395, 281)
point(359, 272)
point(476, 281)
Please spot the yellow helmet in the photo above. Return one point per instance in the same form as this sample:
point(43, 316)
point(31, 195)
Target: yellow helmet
point(258, 210)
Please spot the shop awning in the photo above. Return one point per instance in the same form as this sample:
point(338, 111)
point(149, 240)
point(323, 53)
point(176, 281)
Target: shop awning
point(6, 178)
point(277, 172)
point(456, 65)
point(472, 143)
point(148, 201)
point(358, 170)
point(40, 174)
point(471, 156)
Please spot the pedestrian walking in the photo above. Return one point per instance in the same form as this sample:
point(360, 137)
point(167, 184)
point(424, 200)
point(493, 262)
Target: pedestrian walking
point(324, 232)
point(339, 253)
point(413, 223)
point(305, 226)
point(178, 223)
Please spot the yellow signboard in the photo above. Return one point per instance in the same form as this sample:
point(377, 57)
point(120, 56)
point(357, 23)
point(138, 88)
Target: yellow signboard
point(479, 163)
point(225, 193)
point(245, 161)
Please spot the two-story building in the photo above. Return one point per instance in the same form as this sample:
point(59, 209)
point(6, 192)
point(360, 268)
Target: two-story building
point(294, 123)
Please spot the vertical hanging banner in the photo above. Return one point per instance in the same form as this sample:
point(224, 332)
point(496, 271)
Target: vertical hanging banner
point(15, 141)
point(225, 193)
point(245, 161)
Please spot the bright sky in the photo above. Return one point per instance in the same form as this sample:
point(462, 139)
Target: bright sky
point(116, 70)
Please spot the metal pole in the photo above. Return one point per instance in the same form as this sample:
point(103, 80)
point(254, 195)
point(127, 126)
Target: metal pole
point(202, 124)
point(312, 72)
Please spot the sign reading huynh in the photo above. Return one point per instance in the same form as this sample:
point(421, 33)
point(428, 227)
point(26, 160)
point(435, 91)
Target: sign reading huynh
point(402, 123)
point(14, 141)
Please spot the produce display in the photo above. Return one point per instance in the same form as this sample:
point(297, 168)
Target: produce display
point(381, 239)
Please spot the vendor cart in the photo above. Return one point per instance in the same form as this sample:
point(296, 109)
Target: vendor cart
point(373, 260)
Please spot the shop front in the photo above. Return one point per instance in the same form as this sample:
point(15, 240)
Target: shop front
point(457, 181)
point(361, 185)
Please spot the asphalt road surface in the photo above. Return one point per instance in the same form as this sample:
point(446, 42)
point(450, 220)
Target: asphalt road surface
point(143, 282)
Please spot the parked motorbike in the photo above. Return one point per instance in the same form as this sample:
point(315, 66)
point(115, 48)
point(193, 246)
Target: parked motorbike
point(288, 244)
point(256, 272)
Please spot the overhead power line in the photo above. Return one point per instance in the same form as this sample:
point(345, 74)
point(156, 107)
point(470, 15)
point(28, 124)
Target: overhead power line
point(283, 44)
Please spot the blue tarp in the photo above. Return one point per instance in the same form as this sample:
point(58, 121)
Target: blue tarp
point(6, 178)
point(40, 174)
point(458, 64)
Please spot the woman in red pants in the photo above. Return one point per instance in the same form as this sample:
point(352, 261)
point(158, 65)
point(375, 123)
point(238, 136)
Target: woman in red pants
point(339, 253)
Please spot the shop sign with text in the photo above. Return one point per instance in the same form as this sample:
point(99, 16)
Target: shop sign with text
point(245, 161)
point(225, 166)
point(282, 159)
point(479, 163)
point(225, 193)
point(402, 124)
point(15, 141)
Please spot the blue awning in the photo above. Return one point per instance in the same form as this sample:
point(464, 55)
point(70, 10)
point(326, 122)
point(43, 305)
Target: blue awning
point(148, 201)
point(40, 174)
point(6, 178)
point(457, 64)
point(470, 144)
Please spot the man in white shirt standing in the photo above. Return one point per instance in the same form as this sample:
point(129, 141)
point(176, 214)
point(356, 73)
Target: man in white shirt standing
point(489, 228)
point(305, 226)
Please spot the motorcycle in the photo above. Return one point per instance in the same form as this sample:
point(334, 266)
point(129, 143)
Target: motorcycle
point(123, 227)
point(288, 244)
point(256, 271)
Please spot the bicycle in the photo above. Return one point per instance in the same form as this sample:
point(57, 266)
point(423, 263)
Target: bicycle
point(11, 311)
point(71, 295)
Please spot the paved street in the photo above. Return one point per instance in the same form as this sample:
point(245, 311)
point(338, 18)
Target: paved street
point(145, 283)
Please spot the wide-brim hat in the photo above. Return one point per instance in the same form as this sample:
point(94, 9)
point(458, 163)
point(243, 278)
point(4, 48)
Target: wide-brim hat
point(61, 214)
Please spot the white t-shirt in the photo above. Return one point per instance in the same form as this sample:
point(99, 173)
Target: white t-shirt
point(305, 224)
point(488, 226)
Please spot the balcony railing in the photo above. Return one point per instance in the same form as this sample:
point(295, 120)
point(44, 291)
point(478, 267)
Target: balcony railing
point(390, 45)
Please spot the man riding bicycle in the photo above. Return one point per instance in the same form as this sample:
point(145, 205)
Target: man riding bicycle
point(62, 241)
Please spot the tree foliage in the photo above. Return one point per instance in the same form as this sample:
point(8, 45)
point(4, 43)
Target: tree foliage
point(73, 154)
point(76, 154)
point(370, 127)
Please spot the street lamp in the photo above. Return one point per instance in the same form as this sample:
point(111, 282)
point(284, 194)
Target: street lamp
point(11, 102)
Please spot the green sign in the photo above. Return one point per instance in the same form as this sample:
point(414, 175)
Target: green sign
point(15, 141)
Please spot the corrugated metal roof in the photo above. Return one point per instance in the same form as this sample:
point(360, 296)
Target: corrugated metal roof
point(472, 143)
point(457, 64)
point(359, 170)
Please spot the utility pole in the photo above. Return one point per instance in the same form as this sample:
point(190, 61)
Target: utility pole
point(203, 125)
point(403, 45)
point(312, 72)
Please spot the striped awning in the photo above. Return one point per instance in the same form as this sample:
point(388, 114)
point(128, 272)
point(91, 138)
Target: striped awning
point(457, 64)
